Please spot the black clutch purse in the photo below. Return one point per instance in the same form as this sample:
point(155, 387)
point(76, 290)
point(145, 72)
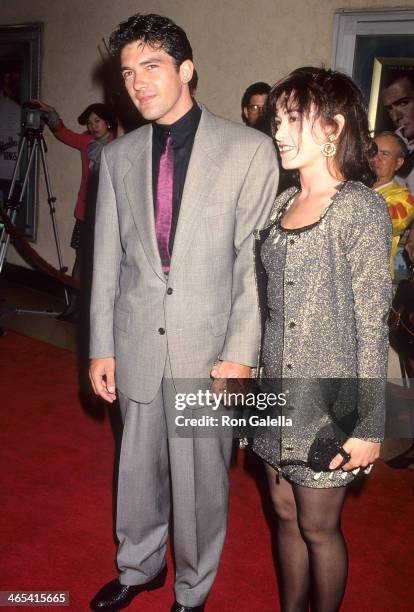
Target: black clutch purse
point(328, 443)
point(322, 451)
point(320, 455)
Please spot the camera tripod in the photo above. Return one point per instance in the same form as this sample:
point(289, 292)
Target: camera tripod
point(33, 140)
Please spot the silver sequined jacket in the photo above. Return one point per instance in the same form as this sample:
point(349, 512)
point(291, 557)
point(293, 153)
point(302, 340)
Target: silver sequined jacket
point(336, 297)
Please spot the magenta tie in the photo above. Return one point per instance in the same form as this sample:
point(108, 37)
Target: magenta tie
point(163, 206)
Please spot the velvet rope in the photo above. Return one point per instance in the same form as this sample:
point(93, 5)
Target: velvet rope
point(29, 254)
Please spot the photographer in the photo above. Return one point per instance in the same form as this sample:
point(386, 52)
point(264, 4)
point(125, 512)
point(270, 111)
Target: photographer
point(101, 123)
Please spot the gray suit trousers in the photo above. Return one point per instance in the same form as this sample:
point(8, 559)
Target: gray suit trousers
point(162, 474)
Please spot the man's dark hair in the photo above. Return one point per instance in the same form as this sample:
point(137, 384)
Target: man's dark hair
point(256, 89)
point(396, 74)
point(153, 30)
point(192, 85)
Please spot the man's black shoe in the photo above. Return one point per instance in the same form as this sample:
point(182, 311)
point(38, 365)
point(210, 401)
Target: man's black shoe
point(116, 596)
point(177, 607)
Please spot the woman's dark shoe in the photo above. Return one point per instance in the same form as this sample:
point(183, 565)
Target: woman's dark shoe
point(116, 596)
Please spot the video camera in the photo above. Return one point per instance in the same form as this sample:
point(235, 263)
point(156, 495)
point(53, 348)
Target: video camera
point(33, 118)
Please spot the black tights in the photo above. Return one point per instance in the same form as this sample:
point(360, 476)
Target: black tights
point(312, 554)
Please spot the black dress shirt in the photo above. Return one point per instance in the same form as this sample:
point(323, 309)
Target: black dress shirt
point(182, 133)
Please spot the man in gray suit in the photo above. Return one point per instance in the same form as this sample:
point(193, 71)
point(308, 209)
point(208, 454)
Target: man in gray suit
point(173, 300)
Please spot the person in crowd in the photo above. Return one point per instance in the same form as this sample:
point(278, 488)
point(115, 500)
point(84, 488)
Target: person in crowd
point(324, 294)
point(101, 124)
point(398, 98)
point(409, 246)
point(173, 294)
point(391, 152)
point(253, 103)
point(402, 341)
point(255, 115)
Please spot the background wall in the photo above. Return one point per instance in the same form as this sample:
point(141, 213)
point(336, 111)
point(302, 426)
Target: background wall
point(235, 43)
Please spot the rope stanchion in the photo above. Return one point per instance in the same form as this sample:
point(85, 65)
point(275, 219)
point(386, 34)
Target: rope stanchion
point(29, 254)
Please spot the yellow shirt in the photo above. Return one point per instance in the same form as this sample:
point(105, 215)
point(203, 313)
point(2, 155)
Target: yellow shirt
point(401, 209)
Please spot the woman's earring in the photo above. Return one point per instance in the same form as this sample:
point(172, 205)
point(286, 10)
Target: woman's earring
point(329, 148)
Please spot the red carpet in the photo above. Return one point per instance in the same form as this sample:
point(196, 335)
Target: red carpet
point(56, 466)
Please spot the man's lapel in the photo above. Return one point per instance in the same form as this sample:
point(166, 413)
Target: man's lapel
point(138, 187)
point(201, 176)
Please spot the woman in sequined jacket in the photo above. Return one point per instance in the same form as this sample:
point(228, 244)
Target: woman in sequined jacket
point(324, 288)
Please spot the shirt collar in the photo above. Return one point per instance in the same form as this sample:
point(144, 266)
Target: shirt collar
point(181, 130)
point(383, 186)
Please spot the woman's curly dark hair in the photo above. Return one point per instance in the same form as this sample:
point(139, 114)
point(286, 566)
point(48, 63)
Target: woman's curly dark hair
point(327, 93)
point(103, 111)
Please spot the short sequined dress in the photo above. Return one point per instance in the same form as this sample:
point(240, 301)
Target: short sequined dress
point(309, 289)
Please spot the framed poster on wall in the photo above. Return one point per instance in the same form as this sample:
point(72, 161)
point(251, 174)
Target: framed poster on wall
point(376, 48)
point(360, 36)
point(382, 116)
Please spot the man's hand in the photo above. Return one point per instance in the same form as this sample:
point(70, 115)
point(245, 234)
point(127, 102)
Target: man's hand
point(102, 376)
point(229, 369)
point(362, 452)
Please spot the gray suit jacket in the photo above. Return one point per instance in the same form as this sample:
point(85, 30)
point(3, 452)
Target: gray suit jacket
point(207, 308)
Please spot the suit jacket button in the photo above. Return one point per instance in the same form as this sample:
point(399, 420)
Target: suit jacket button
point(169, 291)
point(292, 324)
point(292, 241)
point(289, 366)
point(161, 331)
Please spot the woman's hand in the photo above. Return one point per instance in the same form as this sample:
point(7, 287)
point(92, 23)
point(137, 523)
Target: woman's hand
point(362, 452)
point(43, 106)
